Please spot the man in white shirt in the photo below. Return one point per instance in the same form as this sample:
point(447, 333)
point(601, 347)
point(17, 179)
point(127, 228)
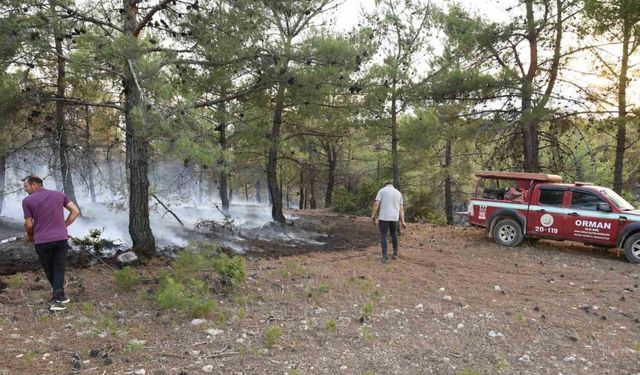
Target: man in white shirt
point(389, 200)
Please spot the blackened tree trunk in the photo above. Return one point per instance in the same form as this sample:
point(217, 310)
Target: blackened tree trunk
point(201, 185)
point(272, 165)
point(621, 134)
point(332, 159)
point(302, 189)
point(88, 156)
point(258, 188)
point(61, 128)
point(137, 146)
point(222, 162)
point(3, 165)
point(448, 195)
point(312, 187)
point(395, 165)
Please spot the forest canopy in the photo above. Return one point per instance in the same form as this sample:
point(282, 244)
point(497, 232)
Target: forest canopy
point(267, 101)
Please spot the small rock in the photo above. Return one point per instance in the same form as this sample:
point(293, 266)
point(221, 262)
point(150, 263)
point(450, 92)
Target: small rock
point(127, 258)
point(197, 322)
point(207, 368)
point(525, 359)
point(460, 326)
point(343, 367)
point(495, 334)
point(497, 288)
point(140, 372)
point(441, 289)
point(448, 315)
point(570, 358)
point(419, 307)
point(214, 332)
point(320, 310)
point(447, 298)
point(95, 352)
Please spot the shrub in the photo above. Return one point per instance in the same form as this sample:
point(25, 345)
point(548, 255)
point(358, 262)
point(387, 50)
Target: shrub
point(170, 294)
point(271, 335)
point(231, 269)
point(367, 309)
point(127, 278)
point(331, 325)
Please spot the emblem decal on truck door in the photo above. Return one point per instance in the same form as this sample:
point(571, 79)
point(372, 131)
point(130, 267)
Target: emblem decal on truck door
point(546, 220)
point(482, 213)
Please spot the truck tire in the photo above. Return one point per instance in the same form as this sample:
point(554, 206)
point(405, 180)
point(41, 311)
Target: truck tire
point(508, 232)
point(632, 248)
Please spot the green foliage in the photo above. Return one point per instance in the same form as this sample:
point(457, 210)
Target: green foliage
point(272, 335)
point(186, 290)
point(331, 325)
point(127, 278)
point(133, 346)
point(232, 270)
point(502, 365)
point(469, 371)
point(358, 203)
point(367, 309)
point(15, 281)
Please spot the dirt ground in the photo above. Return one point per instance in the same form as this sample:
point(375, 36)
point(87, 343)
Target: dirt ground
point(454, 303)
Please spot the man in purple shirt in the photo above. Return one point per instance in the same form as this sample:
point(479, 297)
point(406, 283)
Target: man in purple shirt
point(45, 225)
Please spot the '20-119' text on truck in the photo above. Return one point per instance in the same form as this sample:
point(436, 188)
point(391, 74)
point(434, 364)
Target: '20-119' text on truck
point(514, 205)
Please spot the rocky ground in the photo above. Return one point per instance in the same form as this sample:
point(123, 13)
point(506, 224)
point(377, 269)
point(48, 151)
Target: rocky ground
point(454, 303)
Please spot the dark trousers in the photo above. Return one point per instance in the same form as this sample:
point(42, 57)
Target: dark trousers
point(392, 227)
point(53, 256)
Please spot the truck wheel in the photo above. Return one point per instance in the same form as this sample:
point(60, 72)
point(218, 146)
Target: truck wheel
point(632, 248)
point(508, 232)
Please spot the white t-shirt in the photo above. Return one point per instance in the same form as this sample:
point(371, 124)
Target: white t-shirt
point(390, 200)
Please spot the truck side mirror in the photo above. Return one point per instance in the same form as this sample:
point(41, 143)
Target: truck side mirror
point(604, 207)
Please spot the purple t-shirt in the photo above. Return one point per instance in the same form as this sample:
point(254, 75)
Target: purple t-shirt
point(46, 208)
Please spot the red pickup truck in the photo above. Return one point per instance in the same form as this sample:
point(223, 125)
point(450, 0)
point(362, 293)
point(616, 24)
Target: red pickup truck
point(514, 205)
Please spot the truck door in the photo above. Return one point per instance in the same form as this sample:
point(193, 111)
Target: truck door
point(586, 223)
point(546, 215)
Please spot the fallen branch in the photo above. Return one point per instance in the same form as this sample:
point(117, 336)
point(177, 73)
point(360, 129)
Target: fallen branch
point(168, 210)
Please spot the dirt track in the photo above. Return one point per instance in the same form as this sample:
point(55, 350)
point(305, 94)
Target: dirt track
point(455, 303)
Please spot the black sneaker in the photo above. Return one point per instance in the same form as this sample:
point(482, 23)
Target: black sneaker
point(385, 259)
point(394, 257)
point(57, 306)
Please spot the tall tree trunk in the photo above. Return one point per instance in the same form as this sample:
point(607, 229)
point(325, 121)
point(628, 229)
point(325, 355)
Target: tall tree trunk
point(621, 134)
point(302, 190)
point(137, 148)
point(3, 166)
point(332, 155)
point(529, 124)
point(395, 165)
point(246, 192)
point(54, 161)
point(110, 174)
point(61, 128)
point(448, 195)
point(272, 165)
point(201, 185)
point(258, 188)
point(88, 156)
point(312, 187)
point(222, 162)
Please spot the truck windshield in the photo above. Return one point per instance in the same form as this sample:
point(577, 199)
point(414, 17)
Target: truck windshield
point(618, 200)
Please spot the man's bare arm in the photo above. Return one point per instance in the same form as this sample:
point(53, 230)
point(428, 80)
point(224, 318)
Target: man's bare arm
point(28, 229)
point(74, 212)
point(402, 222)
point(376, 204)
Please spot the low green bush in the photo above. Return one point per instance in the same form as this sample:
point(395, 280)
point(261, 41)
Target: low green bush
point(127, 278)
